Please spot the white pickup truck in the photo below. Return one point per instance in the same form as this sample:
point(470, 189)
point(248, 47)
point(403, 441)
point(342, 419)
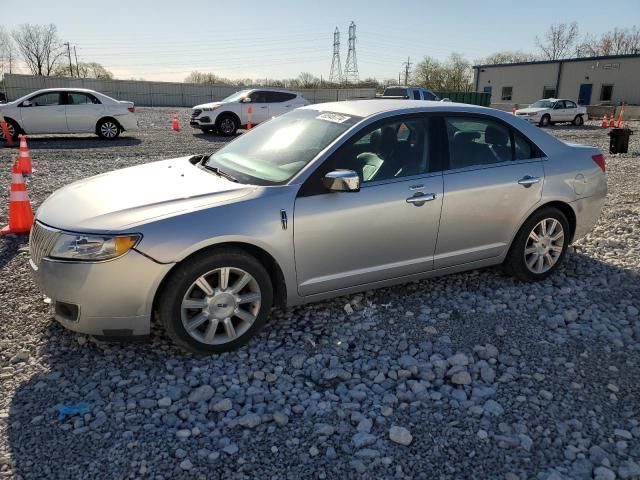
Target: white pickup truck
point(553, 110)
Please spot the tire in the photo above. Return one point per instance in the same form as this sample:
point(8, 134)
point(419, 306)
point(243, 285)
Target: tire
point(108, 129)
point(525, 266)
point(14, 129)
point(213, 316)
point(227, 124)
point(578, 121)
point(545, 120)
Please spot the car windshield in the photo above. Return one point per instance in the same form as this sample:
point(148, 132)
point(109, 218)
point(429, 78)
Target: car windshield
point(278, 149)
point(542, 104)
point(235, 97)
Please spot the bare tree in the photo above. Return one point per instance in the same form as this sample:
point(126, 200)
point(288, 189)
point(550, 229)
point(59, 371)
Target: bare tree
point(7, 52)
point(507, 56)
point(83, 70)
point(39, 47)
point(615, 42)
point(559, 41)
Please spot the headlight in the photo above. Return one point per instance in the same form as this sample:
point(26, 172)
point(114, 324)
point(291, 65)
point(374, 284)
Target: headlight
point(209, 109)
point(92, 247)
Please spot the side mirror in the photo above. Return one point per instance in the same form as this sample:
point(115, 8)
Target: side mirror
point(26, 103)
point(342, 181)
point(246, 100)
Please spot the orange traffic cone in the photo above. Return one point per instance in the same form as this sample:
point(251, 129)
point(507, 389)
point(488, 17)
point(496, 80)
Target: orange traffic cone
point(5, 131)
point(249, 112)
point(612, 121)
point(605, 123)
point(176, 124)
point(20, 213)
point(620, 117)
point(24, 158)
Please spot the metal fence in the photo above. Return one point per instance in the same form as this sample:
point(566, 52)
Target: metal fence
point(162, 94)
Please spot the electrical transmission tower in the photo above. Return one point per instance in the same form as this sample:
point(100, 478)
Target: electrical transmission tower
point(351, 67)
point(335, 76)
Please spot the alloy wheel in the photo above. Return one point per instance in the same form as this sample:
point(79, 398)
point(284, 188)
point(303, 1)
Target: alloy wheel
point(220, 305)
point(227, 126)
point(544, 245)
point(12, 131)
point(109, 129)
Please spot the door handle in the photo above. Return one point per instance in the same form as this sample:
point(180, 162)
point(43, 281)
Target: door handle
point(263, 107)
point(421, 198)
point(528, 180)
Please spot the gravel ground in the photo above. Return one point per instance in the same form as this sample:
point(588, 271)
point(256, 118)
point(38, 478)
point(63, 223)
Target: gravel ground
point(472, 375)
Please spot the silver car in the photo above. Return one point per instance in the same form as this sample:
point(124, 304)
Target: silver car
point(323, 201)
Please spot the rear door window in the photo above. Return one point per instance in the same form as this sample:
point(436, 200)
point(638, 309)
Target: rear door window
point(416, 94)
point(278, 97)
point(476, 141)
point(76, 98)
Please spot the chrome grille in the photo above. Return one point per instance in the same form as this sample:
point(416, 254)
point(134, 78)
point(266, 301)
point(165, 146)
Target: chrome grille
point(41, 242)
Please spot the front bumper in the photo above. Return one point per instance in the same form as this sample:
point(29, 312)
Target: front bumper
point(113, 298)
point(530, 118)
point(201, 122)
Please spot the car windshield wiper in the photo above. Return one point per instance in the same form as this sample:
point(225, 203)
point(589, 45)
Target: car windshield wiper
point(220, 173)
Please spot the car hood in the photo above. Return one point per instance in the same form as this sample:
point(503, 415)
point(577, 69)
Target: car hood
point(123, 199)
point(532, 110)
point(208, 105)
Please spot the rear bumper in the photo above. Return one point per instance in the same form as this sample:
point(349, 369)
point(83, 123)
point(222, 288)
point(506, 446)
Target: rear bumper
point(113, 298)
point(128, 122)
point(588, 212)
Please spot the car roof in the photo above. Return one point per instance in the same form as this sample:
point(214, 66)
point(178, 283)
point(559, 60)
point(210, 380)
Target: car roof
point(367, 108)
point(64, 89)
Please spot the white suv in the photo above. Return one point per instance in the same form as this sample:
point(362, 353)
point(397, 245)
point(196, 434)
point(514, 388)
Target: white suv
point(232, 113)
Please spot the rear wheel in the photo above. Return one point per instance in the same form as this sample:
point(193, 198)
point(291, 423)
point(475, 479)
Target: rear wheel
point(539, 246)
point(578, 120)
point(108, 129)
point(14, 129)
point(545, 120)
point(216, 302)
point(227, 125)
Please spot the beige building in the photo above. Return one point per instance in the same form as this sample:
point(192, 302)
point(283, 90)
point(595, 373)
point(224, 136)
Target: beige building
point(606, 80)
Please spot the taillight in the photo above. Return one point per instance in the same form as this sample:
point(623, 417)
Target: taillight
point(599, 159)
point(132, 109)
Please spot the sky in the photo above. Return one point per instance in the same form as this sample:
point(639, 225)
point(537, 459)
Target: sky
point(166, 39)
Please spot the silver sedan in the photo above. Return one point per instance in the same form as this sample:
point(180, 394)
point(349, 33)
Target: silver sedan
point(323, 201)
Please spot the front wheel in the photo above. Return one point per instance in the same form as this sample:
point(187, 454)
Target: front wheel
point(14, 130)
point(545, 121)
point(578, 121)
point(108, 129)
point(215, 301)
point(539, 246)
point(227, 125)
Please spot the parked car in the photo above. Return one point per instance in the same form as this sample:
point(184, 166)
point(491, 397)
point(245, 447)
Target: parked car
point(232, 113)
point(410, 93)
point(326, 200)
point(554, 110)
point(69, 110)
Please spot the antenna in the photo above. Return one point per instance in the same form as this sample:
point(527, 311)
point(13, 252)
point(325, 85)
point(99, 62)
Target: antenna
point(351, 67)
point(335, 76)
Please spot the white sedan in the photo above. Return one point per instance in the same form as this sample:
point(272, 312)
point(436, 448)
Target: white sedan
point(69, 110)
point(552, 110)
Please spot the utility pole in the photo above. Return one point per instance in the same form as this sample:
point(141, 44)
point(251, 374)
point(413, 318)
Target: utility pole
point(351, 65)
point(69, 53)
point(407, 68)
point(77, 67)
point(335, 74)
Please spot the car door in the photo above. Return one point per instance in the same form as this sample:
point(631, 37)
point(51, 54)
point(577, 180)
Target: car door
point(571, 110)
point(559, 113)
point(279, 103)
point(83, 111)
point(259, 108)
point(493, 178)
point(386, 230)
point(45, 113)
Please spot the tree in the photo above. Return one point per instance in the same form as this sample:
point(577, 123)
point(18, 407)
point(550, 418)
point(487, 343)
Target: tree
point(7, 52)
point(39, 47)
point(203, 78)
point(83, 70)
point(306, 80)
point(454, 74)
point(559, 41)
point(615, 42)
point(507, 56)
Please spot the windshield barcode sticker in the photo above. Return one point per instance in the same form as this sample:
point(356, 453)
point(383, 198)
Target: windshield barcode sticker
point(333, 117)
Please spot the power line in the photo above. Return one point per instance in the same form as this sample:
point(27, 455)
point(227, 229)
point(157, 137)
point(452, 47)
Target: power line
point(351, 66)
point(335, 74)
